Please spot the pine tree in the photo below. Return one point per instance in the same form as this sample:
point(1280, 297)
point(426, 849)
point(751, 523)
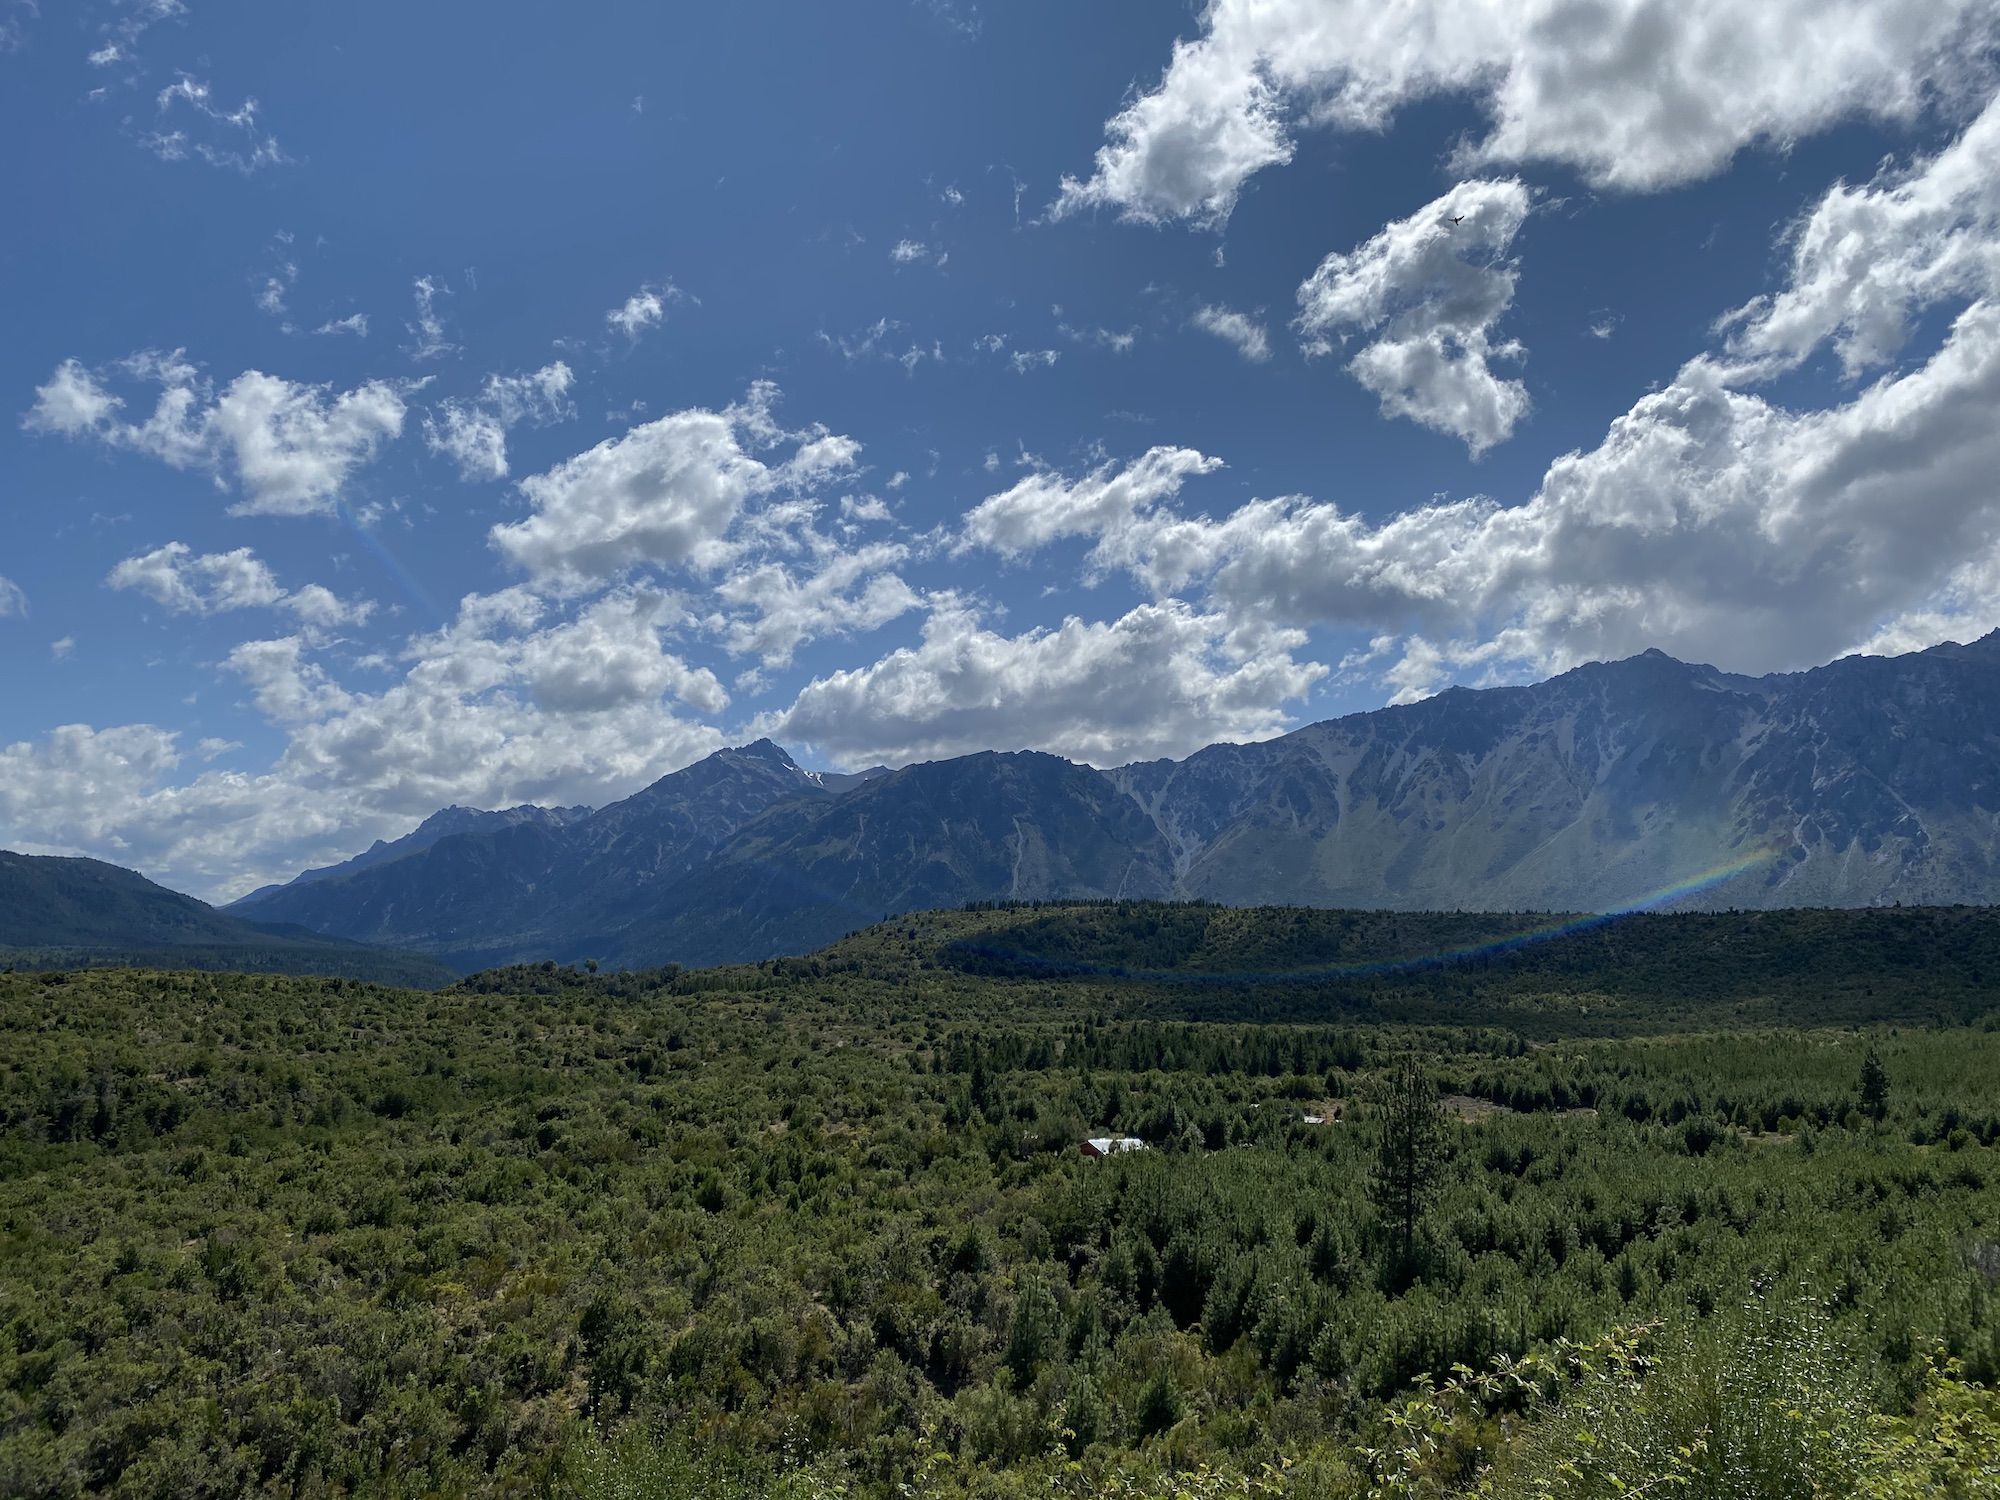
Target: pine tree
point(1874, 1086)
point(1412, 1149)
point(1036, 1330)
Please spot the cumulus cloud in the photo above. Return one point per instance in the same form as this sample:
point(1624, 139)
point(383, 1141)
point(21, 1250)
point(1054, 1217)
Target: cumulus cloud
point(780, 608)
point(1429, 290)
point(665, 493)
point(472, 432)
point(354, 323)
point(288, 447)
point(12, 600)
point(1631, 94)
point(644, 309)
point(1866, 259)
point(209, 583)
point(610, 656)
point(1163, 679)
point(1044, 506)
point(509, 703)
point(1712, 519)
point(1237, 328)
point(1709, 521)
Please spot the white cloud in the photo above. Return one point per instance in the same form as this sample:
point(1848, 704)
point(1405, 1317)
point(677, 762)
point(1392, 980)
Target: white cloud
point(71, 403)
point(12, 600)
point(845, 593)
point(209, 583)
point(910, 252)
point(275, 287)
point(1024, 360)
point(1237, 328)
point(473, 432)
point(14, 18)
point(233, 138)
point(610, 656)
point(1163, 679)
point(871, 507)
point(1709, 521)
point(505, 705)
point(1044, 506)
point(1866, 259)
point(1431, 289)
point(354, 323)
point(1712, 520)
point(1630, 93)
point(1118, 341)
point(289, 447)
point(666, 493)
point(427, 333)
point(645, 308)
point(877, 341)
point(62, 646)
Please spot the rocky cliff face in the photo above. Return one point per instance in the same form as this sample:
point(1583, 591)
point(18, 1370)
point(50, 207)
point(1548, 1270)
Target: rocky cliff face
point(1867, 781)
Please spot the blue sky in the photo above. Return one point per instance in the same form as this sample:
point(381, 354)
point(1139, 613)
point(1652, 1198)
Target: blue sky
point(490, 403)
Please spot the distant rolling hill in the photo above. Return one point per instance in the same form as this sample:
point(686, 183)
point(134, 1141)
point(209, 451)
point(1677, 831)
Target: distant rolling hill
point(1534, 975)
point(1645, 782)
point(83, 913)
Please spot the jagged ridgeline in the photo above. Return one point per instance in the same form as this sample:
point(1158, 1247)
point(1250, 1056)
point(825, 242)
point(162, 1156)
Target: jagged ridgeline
point(1642, 783)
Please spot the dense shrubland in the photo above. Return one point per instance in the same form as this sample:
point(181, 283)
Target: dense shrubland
point(820, 1227)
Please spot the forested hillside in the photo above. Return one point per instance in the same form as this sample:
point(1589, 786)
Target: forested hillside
point(58, 913)
point(822, 1226)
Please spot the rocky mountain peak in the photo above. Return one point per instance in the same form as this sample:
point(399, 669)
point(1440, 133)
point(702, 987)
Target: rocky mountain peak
point(1623, 783)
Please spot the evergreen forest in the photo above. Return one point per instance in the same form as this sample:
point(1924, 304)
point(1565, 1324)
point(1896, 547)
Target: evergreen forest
point(1427, 1205)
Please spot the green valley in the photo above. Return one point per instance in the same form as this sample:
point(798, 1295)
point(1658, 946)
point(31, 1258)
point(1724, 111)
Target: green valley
point(1701, 1205)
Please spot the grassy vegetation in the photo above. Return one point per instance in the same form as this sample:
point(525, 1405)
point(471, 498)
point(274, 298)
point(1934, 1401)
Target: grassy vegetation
point(293, 953)
point(820, 1226)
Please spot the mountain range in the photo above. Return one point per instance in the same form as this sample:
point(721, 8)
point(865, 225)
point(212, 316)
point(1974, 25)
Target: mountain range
point(1648, 781)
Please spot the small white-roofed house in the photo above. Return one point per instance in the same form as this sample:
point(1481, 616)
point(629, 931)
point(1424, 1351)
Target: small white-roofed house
point(1111, 1145)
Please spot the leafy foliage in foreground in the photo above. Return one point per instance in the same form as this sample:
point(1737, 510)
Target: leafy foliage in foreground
point(820, 1226)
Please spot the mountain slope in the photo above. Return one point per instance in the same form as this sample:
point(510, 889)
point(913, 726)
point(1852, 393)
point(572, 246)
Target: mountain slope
point(544, 887)
point(1865, 781)
point(1641, 782)
point(438, 825)
point(78, 913)
point(993, 826)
